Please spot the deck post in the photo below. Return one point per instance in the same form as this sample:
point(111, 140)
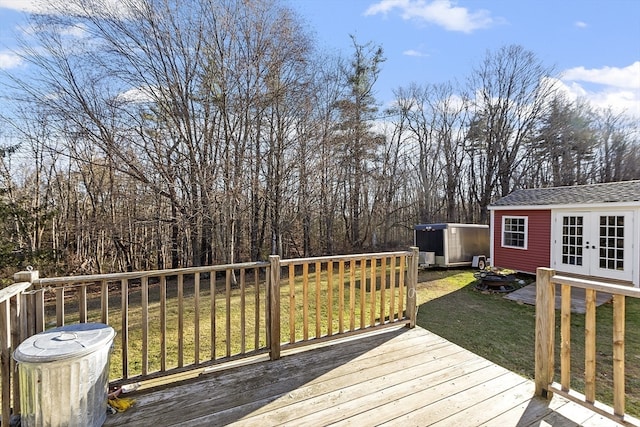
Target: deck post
point(27, 315)
point(274, 307)
point(13, 330)
point(412, 285)
point(545, 331)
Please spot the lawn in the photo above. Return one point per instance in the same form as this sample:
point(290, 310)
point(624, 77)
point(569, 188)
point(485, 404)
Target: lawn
point(503, 331)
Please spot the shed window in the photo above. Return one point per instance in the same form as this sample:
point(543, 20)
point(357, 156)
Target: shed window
point(514, 232)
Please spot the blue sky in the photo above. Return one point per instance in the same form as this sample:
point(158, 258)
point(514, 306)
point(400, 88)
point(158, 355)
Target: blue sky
point(594, 43)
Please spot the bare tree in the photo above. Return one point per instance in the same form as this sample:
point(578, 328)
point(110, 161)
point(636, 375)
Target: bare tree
point(178, 97)
point(509, 89)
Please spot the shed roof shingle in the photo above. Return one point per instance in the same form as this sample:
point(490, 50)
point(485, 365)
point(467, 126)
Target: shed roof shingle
point(611, 192)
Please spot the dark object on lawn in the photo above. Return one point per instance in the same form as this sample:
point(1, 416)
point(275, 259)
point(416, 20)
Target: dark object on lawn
point(490, 281)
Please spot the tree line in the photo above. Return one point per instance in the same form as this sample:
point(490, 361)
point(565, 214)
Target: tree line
point(164, 133)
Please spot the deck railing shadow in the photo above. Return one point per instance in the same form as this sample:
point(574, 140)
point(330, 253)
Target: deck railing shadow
point(258, 385)
point(539, 409)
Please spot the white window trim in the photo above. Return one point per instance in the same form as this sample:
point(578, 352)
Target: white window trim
point(526, 232)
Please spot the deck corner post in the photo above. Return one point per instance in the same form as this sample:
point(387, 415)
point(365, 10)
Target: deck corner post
point(274, 307)
point(30, 321)
point(26, 276)
point(412, 287)
point(545, 331)
point(14, 329)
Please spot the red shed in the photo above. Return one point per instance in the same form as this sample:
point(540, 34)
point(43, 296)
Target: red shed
point(589, 230)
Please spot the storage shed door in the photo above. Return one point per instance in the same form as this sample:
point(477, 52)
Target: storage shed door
point(594, 243)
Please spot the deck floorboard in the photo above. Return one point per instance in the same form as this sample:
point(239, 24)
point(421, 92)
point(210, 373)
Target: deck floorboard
point(397, 377)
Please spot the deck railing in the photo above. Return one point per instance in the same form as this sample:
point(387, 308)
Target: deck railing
point(170, 321)
point(321, 298)
point(546, 340)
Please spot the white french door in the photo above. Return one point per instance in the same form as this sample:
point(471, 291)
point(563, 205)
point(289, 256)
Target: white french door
point(594, 243)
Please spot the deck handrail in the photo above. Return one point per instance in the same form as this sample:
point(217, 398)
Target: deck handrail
point(235, 308)
point(52, 281)
point(545, 386)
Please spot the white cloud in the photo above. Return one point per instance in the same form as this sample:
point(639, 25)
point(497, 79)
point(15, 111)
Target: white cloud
point(581, 24)
point(20, 5)
point(31, 6)
point(9, 60)
point(54, 7)
point(137, 95)
point(607, 87)
point(440, 12)
point(76, 31)
point(627, 77)
point(413, 52)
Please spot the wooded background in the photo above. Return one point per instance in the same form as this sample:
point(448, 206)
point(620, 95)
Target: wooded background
point(172, 133)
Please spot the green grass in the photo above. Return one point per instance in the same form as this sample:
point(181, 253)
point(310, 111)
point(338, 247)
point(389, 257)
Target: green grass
point(503, 331)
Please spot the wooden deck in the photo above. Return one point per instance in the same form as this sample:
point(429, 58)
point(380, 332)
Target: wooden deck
point(396, 377)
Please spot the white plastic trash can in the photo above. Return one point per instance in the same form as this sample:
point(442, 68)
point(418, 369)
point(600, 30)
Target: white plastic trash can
point(64, 375)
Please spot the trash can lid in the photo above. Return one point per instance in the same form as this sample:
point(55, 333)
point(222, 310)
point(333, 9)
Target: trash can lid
point(64, 342)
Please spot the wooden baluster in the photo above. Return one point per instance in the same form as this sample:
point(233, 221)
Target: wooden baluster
point(352, 294)
point(256, 287)
point(196, 318)
point(212, 309)
point(618, 354)
point(60, 306)
point(590, 347)
point(104, 302)
point(305, 301)
point(383, 290)
point(292, 304)
point(565, 338)
point(163, 323)
point(401, 286)
point(318, 303)
point(227, 313)
point(372, 294)
point(145, 324)
point(124, 290)
point(243, 313)
point(363, 292)
point(180, 320)
point(341, 296)
point(330, 298)
point(392, 288)
point(82, 303)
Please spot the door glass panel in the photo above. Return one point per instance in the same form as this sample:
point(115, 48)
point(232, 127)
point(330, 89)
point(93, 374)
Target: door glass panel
point(611, 253)
point(572, 232)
